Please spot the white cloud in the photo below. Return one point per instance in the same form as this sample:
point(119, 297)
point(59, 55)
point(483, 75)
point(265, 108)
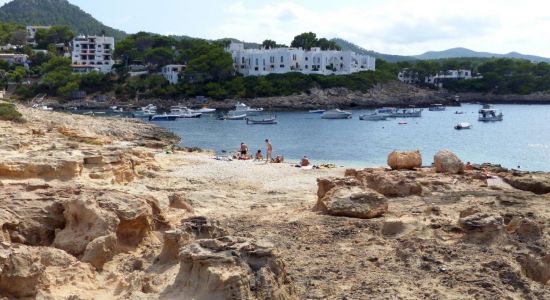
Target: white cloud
point(399, 27)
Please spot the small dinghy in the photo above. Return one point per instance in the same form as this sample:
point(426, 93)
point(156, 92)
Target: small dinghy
point(267, 120)
point(461, 126)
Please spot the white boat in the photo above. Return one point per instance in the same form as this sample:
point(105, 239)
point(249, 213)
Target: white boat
point(241, 108)
point(205, 110)
point(317, 111)
point(373, 117)
point(185, 113)
point(232, 116)
point(461, 126)
point(42, 107)
point(336, 114)
point(406, 113)
point(145, 112)
point(265, 120)
point(437, 107)
point(163, 117)
point(490, 115)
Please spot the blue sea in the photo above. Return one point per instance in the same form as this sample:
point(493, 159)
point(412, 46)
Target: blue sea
point(522, 139)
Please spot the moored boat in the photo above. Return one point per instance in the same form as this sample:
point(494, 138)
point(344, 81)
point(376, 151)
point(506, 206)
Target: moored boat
point(386, 110)
point(464, 125)
point(489, 114)
point(232, 116)
point(373, 117)
point(163, 117)
point(184, 112)
point(241, 108)
point(204, 110)
point(437, 107)
point(406, 113)
point(336, 114)
point(266, 120)
point(317, 111)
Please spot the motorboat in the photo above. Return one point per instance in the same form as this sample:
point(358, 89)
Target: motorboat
point(461, 126)
point(241, 108)
point(459, 112)
point(317, 111)
point(336, 114)
point(42, 107)
point(406, 113)
point(232, 116)
point(489, 114)
point(185, 113)
point(266, 120)
point(373, 117)
point(204, 110)
point(145, 112)
point(437, 107)
point(163, 117)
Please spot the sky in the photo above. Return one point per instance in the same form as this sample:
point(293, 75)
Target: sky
point(404, 27)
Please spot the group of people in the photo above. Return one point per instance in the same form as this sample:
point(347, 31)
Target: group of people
point(244, 153)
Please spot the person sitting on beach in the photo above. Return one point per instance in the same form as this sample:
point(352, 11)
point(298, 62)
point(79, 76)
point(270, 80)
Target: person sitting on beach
point(259, 156)
point(244, 149)
point(278, 160)
point(304, 162)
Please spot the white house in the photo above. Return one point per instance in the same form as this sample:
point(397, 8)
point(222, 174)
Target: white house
point(13, 58)
point(172, 73)
point(31, 32)
point(409, 76)
point(259, 62)
point(94, 51)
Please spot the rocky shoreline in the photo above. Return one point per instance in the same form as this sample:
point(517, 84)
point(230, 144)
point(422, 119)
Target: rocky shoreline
point(104, 209)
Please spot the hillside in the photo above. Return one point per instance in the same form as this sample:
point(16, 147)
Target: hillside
point(464, 52)
point(357, 49)
point(55, 12)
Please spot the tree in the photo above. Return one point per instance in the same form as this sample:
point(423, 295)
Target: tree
point(53, 35)
point(213, 64)
point(268, 44)
point(18, 37)
point(17, 75)
point(159, 57)
point(325, 44)
point(305, 40)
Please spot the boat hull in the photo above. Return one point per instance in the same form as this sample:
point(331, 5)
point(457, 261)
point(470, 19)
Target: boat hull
point(373, 118)
point(491, 119)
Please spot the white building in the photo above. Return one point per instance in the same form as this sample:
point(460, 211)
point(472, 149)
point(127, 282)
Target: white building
point(31, 32)
point(172, 73)
point(411, 77)
point(13, 58)
point(259, 62)
point(94, 52)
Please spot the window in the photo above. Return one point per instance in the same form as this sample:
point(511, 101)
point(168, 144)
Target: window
point(256, 69)
point(307, 58)
point(282, 59)
point(282, 66)
point(306, 66)
point(257, 60)
point(242, 60)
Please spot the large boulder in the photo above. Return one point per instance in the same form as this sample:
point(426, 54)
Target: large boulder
point(100, 250)
point(447, 162)
point(230, 268)
point(353, 202)
point(391, 184)
point(409, 160)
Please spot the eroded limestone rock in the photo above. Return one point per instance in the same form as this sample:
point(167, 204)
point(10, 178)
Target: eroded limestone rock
point(447, 162)
point(353, 202)
point(399, 160)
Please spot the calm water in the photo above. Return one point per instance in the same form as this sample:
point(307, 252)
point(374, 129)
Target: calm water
point(523, 138)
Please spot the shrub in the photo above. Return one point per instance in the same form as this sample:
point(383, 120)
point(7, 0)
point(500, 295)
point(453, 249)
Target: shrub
point(8, 112)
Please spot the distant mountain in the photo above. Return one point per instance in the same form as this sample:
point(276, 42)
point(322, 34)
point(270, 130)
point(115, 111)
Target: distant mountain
point(55, 12)
point(463, 52)
point(345, 45)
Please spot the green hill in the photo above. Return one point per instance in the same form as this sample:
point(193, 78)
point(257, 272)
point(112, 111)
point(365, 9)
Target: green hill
point(55, 12)
point(345, 45)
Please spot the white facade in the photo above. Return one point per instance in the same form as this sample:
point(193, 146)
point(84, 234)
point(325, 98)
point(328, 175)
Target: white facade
point(31, 32)
point(259, 62)
point(95, 51)
point(12, 58)
point(409, 76)
point(172, 73)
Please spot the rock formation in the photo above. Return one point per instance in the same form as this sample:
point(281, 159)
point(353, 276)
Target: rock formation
point(405, 160)
point(447, 162)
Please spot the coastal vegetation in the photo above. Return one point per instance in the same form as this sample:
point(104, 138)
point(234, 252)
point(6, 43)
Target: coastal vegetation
point(8, 112)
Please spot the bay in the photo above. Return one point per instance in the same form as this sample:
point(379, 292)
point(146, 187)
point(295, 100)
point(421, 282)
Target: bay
point(522, 139)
